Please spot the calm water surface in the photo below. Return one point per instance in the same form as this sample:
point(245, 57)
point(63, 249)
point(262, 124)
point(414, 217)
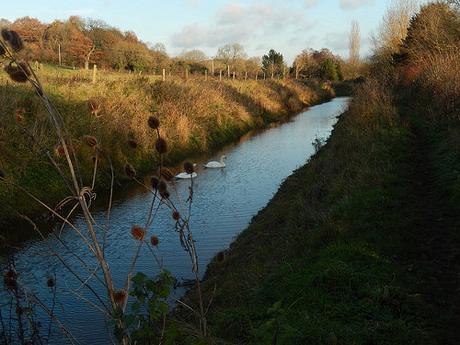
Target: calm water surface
point(224, 203)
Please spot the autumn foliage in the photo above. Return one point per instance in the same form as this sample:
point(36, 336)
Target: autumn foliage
point(85, 42)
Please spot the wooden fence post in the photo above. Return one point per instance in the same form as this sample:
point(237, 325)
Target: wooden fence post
point(228, 71)
point(212, 67)
point(246, 75)
point(205, 74)
point(59, 52)
point(264, 75)
point(164, 74)
point(233, 76)
point(186, 73)
point(220, 75)
point(94, 73)
point(257, 76)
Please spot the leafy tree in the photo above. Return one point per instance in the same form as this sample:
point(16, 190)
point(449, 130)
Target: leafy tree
point(329, 70)
point(31, 31)
point(319, 64)
point(70, 38)
point(273, 63)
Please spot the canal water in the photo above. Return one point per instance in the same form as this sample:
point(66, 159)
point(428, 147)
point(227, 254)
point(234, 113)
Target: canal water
point(224, 202)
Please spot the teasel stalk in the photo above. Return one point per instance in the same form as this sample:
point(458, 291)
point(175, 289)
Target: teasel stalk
point(20, 71)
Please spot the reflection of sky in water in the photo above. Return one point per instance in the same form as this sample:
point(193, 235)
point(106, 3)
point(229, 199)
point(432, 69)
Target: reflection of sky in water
point(224, 203)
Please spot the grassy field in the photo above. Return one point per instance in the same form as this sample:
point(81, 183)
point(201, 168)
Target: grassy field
point(358, 247)
point(197, 116)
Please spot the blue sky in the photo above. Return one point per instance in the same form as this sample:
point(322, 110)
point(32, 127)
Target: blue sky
point(287, 26)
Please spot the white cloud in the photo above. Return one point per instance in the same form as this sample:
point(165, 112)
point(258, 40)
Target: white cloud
point(311, 3)
point(241, 23)
point(197, 35)
point(352, 4)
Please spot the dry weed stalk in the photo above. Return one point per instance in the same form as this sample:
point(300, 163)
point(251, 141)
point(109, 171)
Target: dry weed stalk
point(82, 195)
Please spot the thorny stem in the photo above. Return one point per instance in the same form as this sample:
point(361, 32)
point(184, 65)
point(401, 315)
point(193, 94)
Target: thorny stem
point(109, 207)
point(54, 290)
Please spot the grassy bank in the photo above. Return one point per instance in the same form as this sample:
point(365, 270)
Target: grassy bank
point(197, 116)
point(357, 247)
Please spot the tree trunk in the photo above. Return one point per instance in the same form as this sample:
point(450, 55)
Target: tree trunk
point(88, 56)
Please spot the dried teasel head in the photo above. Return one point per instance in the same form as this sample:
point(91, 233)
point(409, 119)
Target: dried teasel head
point(94, 106)
point(19, 119)
point(137, 232)
point(10, 279)
point(165, 194)
point(188, 167)
point(89, 140)
point(154, 181)
point(19, 115)
point(153, 122)
point(132, 143)
point(19, 73)
point(59, 151)
point(13, 39)
point(120, 296)
point(220, 257)
point(50, 282)
point(161, 146)
point(154, 241)
point(130, 171)
point(162, 187)
point(166, 174)
point(175, 215)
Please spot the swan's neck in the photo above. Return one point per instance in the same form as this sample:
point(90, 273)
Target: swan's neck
point(222, 160)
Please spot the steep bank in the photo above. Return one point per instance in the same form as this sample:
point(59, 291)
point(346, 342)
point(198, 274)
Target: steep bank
point(197, 116)
point(358, 247)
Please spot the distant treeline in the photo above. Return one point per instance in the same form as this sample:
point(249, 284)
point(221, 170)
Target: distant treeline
point(79, 42)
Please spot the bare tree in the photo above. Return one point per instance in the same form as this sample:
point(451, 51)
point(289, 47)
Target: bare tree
point(253, 65)
point(393, 29)
point(455, 3)
point(195, 55)
point(4, 23)
point(354, 43)
point(230, 54)
point(158, 47)
point(94, 29)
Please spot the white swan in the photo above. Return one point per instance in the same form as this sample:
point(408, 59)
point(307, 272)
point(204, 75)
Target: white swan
point(214, 164)
point(184, 175)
